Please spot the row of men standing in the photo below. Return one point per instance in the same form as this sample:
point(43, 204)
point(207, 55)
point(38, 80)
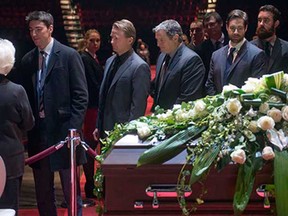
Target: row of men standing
point(276, 49)
point(53, 76)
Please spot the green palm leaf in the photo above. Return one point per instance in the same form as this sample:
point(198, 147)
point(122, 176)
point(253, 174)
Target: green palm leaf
point(244, 184)
point(202, 163)
point(169, 148)
point(281, 181)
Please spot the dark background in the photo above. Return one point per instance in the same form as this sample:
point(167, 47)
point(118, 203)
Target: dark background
point(145, 14)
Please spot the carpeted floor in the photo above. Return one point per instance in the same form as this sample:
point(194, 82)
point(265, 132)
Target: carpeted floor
point(28, 206)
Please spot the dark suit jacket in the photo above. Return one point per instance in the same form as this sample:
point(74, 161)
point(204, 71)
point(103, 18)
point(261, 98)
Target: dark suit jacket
point(126, 98)
point(16, 117)
point(94, 76)
point(183, 81)
point(250, 62)
point(278, 60)
point(205, 50)
point(65, 100)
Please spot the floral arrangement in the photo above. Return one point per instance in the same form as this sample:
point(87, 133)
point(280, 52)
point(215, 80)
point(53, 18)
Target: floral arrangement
point(247, 126)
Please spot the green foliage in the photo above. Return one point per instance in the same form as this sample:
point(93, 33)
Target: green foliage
point(240, 126)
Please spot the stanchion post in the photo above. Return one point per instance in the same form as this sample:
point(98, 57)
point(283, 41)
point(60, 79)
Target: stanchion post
point(73, 180)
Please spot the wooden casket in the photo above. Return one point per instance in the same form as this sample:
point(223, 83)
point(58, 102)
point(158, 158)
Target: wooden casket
point(150, 189)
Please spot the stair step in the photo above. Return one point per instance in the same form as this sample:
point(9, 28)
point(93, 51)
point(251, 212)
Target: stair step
point(75, 34)
point(65, 1)
point(71, 22)
point(71, 17)
point(68, 7)
point(72, 28)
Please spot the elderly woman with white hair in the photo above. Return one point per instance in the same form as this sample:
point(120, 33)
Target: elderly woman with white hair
point(15, 118)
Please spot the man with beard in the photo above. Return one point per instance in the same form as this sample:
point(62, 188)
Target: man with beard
point(275, 48)
point(237, 61)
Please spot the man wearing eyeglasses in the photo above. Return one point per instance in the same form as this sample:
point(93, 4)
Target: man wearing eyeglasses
point(213, 23)
point(276, 49)
point(237, 61)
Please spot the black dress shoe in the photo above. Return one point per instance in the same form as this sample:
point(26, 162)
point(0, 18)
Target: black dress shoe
point(63, 204)
point(88, 203)
point(91, 196)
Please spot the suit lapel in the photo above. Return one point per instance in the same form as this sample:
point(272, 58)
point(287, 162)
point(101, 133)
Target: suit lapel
point(35, 68)
point(121, 70)
point(106, 70)
point(159, 65)
point(172, 64)
point(53, 57)
point(275, 54)
point(223, 63)
point(242, 52)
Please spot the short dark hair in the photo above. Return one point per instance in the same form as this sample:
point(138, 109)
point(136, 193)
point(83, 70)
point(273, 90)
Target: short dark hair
point(270, 8)
point(237, 14)
point(42, 16)
point(214, 14)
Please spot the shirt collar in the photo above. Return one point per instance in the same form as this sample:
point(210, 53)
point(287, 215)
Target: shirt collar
point(125, 56)
point(48, 48)
point(173, 53)
point(238, 46)
point(272, 41)
point(221, 39)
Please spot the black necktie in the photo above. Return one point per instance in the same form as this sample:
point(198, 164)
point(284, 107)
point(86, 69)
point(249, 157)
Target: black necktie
point(41, 81)
point(267, 48)
point(228, 64)
point(231, 56)
point(164, 68)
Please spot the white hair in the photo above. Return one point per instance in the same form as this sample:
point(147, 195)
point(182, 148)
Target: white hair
point(7, 56)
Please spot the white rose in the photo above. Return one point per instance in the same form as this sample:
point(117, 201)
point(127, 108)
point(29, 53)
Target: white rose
point(181, 115)
point(199, 106)
point(233, 106)
point(176, 106)
point(285, 113)
point(268, 153)
point(162, 116)
point(191, 113)
point(264, 107)
point(275, 114)
point(165, 116)
point(238, 156)
point(143, 132)
point(265, 123)
point(169, 113)
point(251, 85)
point(253, 127)
point(228, 88)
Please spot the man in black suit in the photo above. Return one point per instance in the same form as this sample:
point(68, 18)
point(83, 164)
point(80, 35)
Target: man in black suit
point(236, 62)
point(54, 78)
point(197, 34)
point(126, 83)
point(275, 48)
point(179, 70)
point(213, 24)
